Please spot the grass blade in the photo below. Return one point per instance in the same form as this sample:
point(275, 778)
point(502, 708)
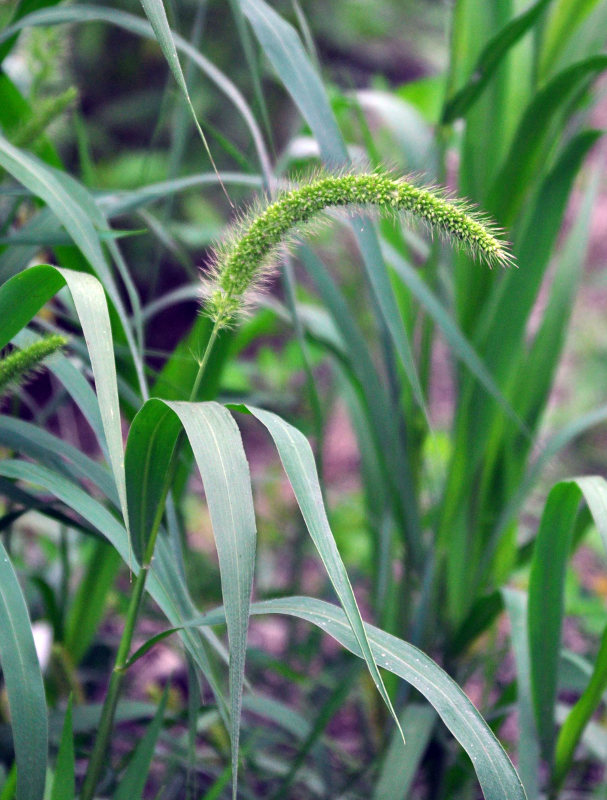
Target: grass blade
point(64, 782)
point(24, 685)
point(220, 457)
point(529, 751)
point(133, 781)
point(490, 58)
point(24, 295)
point(401, 763)
point(156, 14)
point(298, 461)
point(579, 716)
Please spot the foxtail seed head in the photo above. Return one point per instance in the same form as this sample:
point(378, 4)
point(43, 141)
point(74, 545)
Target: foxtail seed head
point(20, 364)
point(244, 261)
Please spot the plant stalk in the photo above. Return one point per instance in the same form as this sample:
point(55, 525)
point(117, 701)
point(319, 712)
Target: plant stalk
point(108, 712)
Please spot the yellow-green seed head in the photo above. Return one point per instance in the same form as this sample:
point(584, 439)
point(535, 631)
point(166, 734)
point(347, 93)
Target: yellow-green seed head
point(243, 261)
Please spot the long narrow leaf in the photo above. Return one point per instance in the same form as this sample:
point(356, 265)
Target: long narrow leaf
point(298, 462)
point(24, 686)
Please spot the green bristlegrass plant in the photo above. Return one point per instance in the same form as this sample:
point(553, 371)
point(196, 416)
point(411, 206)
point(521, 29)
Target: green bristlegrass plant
point(442, 496)
point(240, 267)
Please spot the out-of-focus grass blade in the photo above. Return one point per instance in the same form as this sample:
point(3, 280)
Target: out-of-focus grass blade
point(88, 606)
point(75, 384)
point(64, 782)
point(400, 764)
point(379, 412)
point(532, 135)
point(489, 59)
point(564, 17)
point(133, 781)
point(130, 22)
point(573, 727)
point(285, 51)
point(546, 605)
point(453, 335)
point(24, 686)
point(117, 203)
point(298, 461)
point(546, 592)
point(494, 769)
point(217, 446)
point(22, 297)
point(156, 14)
point(528, 750)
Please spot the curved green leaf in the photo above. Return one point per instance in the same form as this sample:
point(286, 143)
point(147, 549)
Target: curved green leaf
point(497, 776)
point(23, 296)
point(217, 446)
point(298, 462)
point(24, 686)
point(547, 588)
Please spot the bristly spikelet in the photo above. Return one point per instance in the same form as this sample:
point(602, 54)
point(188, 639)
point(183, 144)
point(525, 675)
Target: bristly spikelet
point(244, 260)
point(20, 364)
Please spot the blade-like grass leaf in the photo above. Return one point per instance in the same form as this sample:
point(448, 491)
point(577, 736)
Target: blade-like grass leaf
point(580, 715)
point(298, 462)
point(24, 686)
point(134, 779)
point(494, 769)
point(24, 295)
point(489, 59)
point(546, 592)
point(220, 457)
point(64, 782)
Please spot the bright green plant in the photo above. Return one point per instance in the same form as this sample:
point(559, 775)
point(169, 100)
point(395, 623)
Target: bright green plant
point(518, 84)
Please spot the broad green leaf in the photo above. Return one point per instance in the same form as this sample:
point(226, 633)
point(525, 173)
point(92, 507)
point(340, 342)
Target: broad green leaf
point(580, 715)
point(132, 783)
point(217, 447)
point(287, 55)
point(298, 462)
point(64, 782)
point(494, 769)
point(150, 445)
point(489, 59)
point(24, 295)
point(23, 684)
point(401, 763)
